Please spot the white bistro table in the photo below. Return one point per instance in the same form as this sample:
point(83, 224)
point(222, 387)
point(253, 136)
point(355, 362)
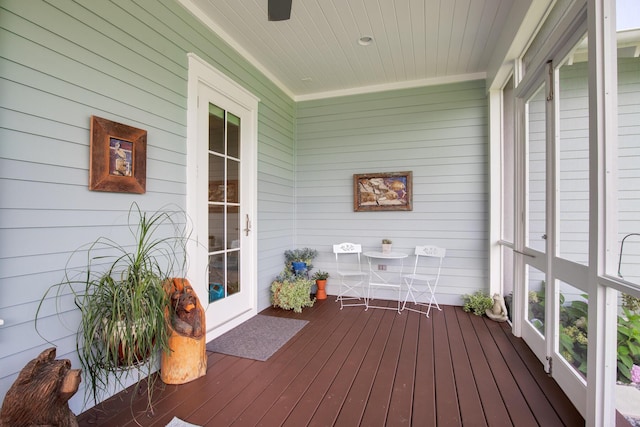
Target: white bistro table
point(383, 279)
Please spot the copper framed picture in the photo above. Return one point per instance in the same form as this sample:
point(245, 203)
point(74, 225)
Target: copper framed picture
point(385, 191)
point(118, 157)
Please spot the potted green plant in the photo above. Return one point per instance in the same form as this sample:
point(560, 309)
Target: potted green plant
point(386, 246)
point(121, 297)
point(300, 260)
point(320, 278)
point(291, 291)
point(478, 303)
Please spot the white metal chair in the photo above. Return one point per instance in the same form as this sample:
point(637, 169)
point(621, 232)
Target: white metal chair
point(349, 270)
point(424, 278)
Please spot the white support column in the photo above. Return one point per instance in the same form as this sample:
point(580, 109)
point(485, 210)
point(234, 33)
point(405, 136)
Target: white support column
point(495, 191)
point(601, 373)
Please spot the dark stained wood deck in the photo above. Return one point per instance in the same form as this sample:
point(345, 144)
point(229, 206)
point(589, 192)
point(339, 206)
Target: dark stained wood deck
point(355, 367)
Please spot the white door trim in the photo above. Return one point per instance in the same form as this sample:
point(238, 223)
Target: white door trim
point(202, 73)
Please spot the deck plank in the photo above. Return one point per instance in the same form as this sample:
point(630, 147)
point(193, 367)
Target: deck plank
point(471, 410)
point(352, 411)
point(270, 394)
point(514, 400)
point(377, 408)
point(401, 405)
point(319, 389)
point(540, 406)
point(567, 412)
point(424, 393)
point(244, 393)
point(292, 393)
point(447, 406)
point(354, 367)
point(336, 397)
point(495, 412)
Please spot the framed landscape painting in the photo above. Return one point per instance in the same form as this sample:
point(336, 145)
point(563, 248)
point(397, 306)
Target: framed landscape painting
point(384, 191)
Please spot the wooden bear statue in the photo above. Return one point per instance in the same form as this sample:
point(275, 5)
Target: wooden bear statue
point(187, 359)
point(40, 394)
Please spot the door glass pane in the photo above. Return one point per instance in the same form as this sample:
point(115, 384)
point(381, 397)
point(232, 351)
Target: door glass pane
point(216, 234)
point(233, 227)
point(216, 178)
point(536, 298)
point(224, 209)
point(627, 261)
point(536, 171)
point(573, 319)
point(233, 272)
point(216, 277)
point(233, 136)
point(216, 129)
point(573, 157)
point(628, 356)
point(233, 172)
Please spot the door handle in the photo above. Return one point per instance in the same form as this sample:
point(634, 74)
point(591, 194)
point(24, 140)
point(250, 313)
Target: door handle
point(247, 228)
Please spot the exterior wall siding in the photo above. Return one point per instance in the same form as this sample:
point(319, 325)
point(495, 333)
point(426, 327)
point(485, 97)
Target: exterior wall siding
point(60, 63)
point(439, 133)
point(628, 166)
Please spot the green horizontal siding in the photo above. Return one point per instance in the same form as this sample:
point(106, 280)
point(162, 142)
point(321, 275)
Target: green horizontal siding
point(440, 134)
point(63, 61)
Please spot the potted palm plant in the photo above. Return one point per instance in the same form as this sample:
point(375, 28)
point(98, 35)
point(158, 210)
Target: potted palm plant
point(120, 293)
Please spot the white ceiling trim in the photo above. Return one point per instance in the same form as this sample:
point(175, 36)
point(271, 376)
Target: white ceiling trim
point(200, 15)
point(392, 86)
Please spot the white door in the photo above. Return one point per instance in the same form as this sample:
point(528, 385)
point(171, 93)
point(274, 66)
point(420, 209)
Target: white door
point(556, 214)
point(222, 200)
point(534, 327)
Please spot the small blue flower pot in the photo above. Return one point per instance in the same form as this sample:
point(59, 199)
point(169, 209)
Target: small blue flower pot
point(299, 267)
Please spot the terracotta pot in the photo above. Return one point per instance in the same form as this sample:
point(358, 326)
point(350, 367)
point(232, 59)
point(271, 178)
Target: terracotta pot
point(321, 293)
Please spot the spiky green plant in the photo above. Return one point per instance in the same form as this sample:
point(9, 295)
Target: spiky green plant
point(320, 275)
point(121, 297)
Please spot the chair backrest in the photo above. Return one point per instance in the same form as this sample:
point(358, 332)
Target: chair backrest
point(429, 252)
point(346, 249)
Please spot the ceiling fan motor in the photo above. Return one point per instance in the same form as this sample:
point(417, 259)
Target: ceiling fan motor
point(279, 10)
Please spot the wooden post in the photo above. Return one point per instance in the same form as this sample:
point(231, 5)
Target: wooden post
point(187, 359)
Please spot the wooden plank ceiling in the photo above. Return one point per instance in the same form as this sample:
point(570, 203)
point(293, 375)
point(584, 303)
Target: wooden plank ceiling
point(317, 50)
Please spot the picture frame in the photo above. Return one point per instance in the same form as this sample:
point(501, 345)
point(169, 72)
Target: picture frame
point(383, 191)
point(118, 157)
